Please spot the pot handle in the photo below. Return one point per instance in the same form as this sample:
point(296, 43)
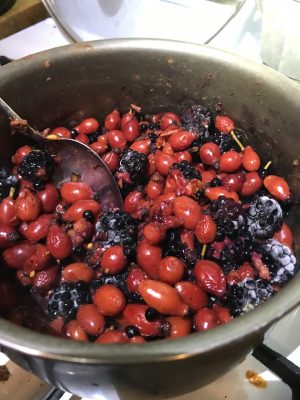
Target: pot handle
point(281, 366)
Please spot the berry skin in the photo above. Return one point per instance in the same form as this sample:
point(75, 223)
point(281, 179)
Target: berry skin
point(187, 209)
point(87, 126)
point(109, 300)
point(170, 270)
point(250, 160)
point(181, 140)
point(116, 139)
point(213, 193)
point(38, 164)
point(77, 272)
point(141, 146)
point(27, 206)
point(23, 151)
point(37, 229)
point(163, 162)
point(75, 332)
point(111, 160)
point(90, 319)
point(65, 300)
point(112, 336)
point(210, 277)
point(73, 191)
point(8, 212)
point(210, 153)
point(278, 187)
point(8, 236)
point(131, 130)
point(233, 182)
point(148, 258)
point(154, 233)
point(224, 124)
point(48, 198)
point(230, 161)
point(112, 121)
point(113, 260)
point(180, 327)
point(252, 184)
point(192, 295)
point(205, 319)
point(284, 236)
point(134, 314)
point(163, 297)
point(61, 132)
point(169, 119)
point(205, 229)
point(265, 217)
point(15, 256)
point(58, 243)
point(76, 210)
point(134, 278)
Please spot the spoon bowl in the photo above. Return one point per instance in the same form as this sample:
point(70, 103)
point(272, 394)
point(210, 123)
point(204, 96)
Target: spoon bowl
point(74, 158)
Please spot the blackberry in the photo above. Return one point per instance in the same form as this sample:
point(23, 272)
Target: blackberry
point(37, 165)
point(265, 217)
point(117, 228)
point(279, 259)
point(88, 215)
point(197, 118)
point(229, 216)
point(118, 280)
point(66, 299)
point(226, 141)
point(7, 181)
point(135, 164)
point(235, 253)
point(173, 246)
point(152, 136)
point(187, 170)
point(246, 295)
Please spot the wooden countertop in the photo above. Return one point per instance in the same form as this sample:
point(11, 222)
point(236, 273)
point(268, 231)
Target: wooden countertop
point(22, 14)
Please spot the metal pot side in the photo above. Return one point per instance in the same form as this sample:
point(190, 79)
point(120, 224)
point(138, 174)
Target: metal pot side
point(89, 79)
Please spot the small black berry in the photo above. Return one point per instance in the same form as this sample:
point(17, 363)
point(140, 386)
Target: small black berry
point(88, 215)
point(215, 182)
point(132, 331)
point(151, 314)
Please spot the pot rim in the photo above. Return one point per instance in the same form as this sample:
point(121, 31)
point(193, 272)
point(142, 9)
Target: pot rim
point(42, 345)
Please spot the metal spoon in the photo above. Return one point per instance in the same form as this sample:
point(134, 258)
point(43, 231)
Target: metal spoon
point(74, 158)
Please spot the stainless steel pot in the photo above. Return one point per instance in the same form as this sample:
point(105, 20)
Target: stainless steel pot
point(88, 79)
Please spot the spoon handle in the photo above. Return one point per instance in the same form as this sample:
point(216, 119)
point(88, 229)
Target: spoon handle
point(25, 128)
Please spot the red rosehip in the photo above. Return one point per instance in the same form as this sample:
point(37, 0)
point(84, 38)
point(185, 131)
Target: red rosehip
point(210, 277)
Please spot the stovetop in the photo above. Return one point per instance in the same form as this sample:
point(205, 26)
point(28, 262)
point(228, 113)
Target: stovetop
point(257, 377)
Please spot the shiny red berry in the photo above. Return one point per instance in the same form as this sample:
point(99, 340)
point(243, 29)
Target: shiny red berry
point(113, 260)
point(109, 300)
point(224, 124)
point(230, 161)
point(278, 187)
point(205, 319)
point(163, 297)
point(205, 229)
point(78, 271)
point(58, 242)
point(188, 210)
point(210, 153)
point(90, 319)
point(192, 295)
point(210, 277)
point(170, 270)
